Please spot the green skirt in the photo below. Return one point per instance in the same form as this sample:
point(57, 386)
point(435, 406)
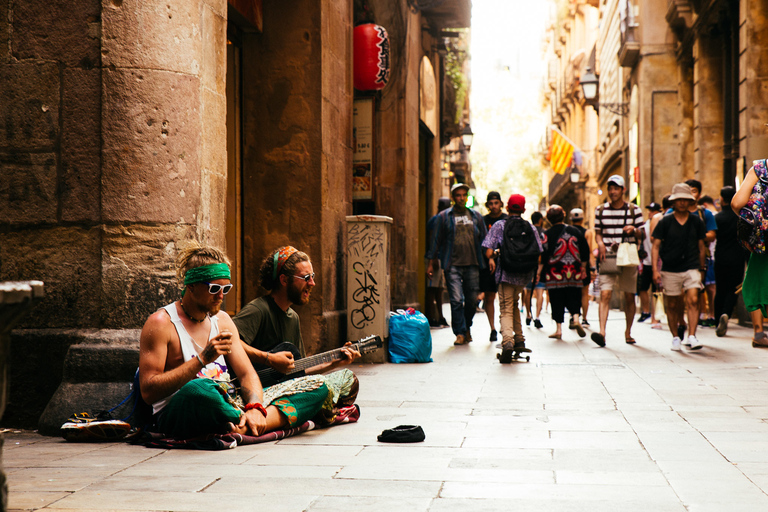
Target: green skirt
point(755, 288)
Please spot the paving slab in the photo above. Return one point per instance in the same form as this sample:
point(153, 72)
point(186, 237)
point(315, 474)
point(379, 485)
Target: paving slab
point(578, 428)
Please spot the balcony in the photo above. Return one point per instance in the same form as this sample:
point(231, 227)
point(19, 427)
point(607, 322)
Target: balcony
point(557, 185)
point(629, 51)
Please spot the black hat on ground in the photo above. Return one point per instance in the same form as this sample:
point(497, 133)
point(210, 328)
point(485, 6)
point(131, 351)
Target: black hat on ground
point(403, 434)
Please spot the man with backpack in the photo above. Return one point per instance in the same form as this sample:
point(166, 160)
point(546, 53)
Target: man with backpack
point(456, 242)
point(513, 247)
point(616, 221)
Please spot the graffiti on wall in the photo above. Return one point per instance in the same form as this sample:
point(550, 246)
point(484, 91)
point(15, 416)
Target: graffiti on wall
point(365, 243)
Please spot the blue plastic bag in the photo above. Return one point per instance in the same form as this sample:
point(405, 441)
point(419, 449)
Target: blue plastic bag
point(410, 340)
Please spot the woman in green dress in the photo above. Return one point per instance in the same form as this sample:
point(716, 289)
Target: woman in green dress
point(754, 289)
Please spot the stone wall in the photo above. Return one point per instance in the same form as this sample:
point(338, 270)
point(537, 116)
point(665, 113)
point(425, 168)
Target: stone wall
point(753, 80)
point(297, 111)
point(708, 111)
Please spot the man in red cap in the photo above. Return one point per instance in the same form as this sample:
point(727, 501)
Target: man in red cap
point(513, 248)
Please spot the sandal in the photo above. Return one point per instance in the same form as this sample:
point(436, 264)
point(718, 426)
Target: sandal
point(630, 340)
point(555, 336)
point(598, 338)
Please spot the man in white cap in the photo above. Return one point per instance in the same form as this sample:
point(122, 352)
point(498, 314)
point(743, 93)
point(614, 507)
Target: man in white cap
point(616, 221)
point(457, 242)
point(577, 220)
point(678, 239)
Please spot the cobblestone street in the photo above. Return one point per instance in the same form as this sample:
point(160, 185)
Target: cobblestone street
point(578, 428)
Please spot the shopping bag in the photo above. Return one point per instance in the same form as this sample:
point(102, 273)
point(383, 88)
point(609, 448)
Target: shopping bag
point(627, 256)
point(608, 265)
point(410, 340)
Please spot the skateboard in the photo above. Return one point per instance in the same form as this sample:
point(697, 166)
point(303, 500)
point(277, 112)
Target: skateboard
point(507, 356)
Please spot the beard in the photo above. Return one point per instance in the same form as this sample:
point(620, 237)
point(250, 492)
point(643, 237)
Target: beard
point(295, 294)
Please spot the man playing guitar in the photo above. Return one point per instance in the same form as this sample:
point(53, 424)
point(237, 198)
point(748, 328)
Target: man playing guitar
point(269, 321)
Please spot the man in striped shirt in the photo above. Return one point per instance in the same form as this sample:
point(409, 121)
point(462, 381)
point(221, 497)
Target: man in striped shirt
point(616, 221)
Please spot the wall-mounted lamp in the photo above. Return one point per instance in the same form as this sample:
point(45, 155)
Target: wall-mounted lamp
point(589, 88)
point(467, 136)
point(575, 175)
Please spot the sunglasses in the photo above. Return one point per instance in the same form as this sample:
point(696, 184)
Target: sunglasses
point(213, 289)
point(305, 277)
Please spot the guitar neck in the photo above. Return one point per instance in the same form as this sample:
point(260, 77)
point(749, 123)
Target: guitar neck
point(325, 357)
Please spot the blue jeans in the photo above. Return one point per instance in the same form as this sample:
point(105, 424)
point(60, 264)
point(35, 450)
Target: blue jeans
point(463, 283)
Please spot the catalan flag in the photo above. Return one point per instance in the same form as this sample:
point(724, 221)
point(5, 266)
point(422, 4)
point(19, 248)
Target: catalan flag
point(560, 152)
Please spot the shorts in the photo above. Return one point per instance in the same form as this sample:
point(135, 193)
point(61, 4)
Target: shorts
point(540, 284)
point(626, 279)
point(675, 282)
point(645, 280)
point(488, 281)
point(709, 278)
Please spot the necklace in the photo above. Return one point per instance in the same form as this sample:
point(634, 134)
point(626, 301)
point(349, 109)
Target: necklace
point(181, 303)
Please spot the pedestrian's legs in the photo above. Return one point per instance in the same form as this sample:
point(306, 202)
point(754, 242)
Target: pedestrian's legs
point(490, 309)
point(439, 305)
point(573, 302)
point(557, 301)
point(506, 318)
point(453, 280)
point(645, 302)
point(692, 302)
point(757, 320)
point(727, 279)
point(671, 303)
point(517, 324)
point(430, 310)
point(539, 294)
point(584, 301)
point(629, 309)
point(471, 283)
point(605, 306)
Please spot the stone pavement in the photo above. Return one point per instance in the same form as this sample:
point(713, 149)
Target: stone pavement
point(579, 428)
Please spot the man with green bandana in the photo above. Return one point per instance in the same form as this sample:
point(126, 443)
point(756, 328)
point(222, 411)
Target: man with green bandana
point(187, 350)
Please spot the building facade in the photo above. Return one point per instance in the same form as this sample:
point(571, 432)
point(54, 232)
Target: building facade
point(133, 128)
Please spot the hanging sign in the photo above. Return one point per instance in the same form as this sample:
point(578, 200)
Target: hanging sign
point(362, 149)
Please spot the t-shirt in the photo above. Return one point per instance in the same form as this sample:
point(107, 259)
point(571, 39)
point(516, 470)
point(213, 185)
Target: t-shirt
point(464, 252)
point(264, 325)
point(679, 249)
point(611, 222)
point(490, 221)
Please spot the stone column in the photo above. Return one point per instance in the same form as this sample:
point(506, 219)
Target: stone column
point(753, 81)
point(708, 110)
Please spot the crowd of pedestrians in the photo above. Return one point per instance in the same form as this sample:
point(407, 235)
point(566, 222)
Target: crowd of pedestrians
point(682, 258)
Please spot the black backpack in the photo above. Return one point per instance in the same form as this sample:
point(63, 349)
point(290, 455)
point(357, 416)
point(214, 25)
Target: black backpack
point(519, 250)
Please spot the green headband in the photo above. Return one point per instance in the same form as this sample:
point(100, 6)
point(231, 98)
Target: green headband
point(207, 273)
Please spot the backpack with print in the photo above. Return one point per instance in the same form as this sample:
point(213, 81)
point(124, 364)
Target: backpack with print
point(753, 218)
point(519, 250)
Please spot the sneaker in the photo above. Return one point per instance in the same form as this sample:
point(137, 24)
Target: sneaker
point(528, 320)
point(580, 330)
point(506, 353)
point(644, 317)
point(584, 322)
point(676, 343)
point(694, 342)
point(494, 335)
point(537, 323)
point(460, 340)
point(760, 340)
point(468, 335)
point(722, 326)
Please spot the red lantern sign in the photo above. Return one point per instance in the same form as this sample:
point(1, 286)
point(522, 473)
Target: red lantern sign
point(371, 60)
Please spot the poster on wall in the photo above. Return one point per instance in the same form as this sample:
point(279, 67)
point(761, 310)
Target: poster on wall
point(362, 149)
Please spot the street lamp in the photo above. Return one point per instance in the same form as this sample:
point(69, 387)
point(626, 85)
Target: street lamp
point(467, 136)
point(575, 175)
point(589, 88)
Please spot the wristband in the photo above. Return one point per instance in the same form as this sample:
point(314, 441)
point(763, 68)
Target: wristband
point(268, 359)
point(257, 406)
point(200, 359)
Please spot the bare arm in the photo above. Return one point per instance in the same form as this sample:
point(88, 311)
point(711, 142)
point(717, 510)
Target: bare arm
point(280, 361)
point(702, 256)
point(155, 382)
point(655, 259)
point(600, 246)
point(741, 198)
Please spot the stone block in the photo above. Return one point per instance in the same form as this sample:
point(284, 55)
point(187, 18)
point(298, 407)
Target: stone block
point(151, 127)
point(214, 138)
point(28, 188)
point(66, 32)
point(152, 35)
point(213, 72)
point(81, 110)
point(211, 228)
point(67, 260)
point(30, 113)
point(137, 269)
point(5, 33)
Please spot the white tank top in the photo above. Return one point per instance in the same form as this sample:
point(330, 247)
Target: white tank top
point(216, 370)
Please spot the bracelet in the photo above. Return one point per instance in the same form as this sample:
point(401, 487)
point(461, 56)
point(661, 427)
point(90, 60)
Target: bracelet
point(257, 406)
point(200, 359)
point(268, 359)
